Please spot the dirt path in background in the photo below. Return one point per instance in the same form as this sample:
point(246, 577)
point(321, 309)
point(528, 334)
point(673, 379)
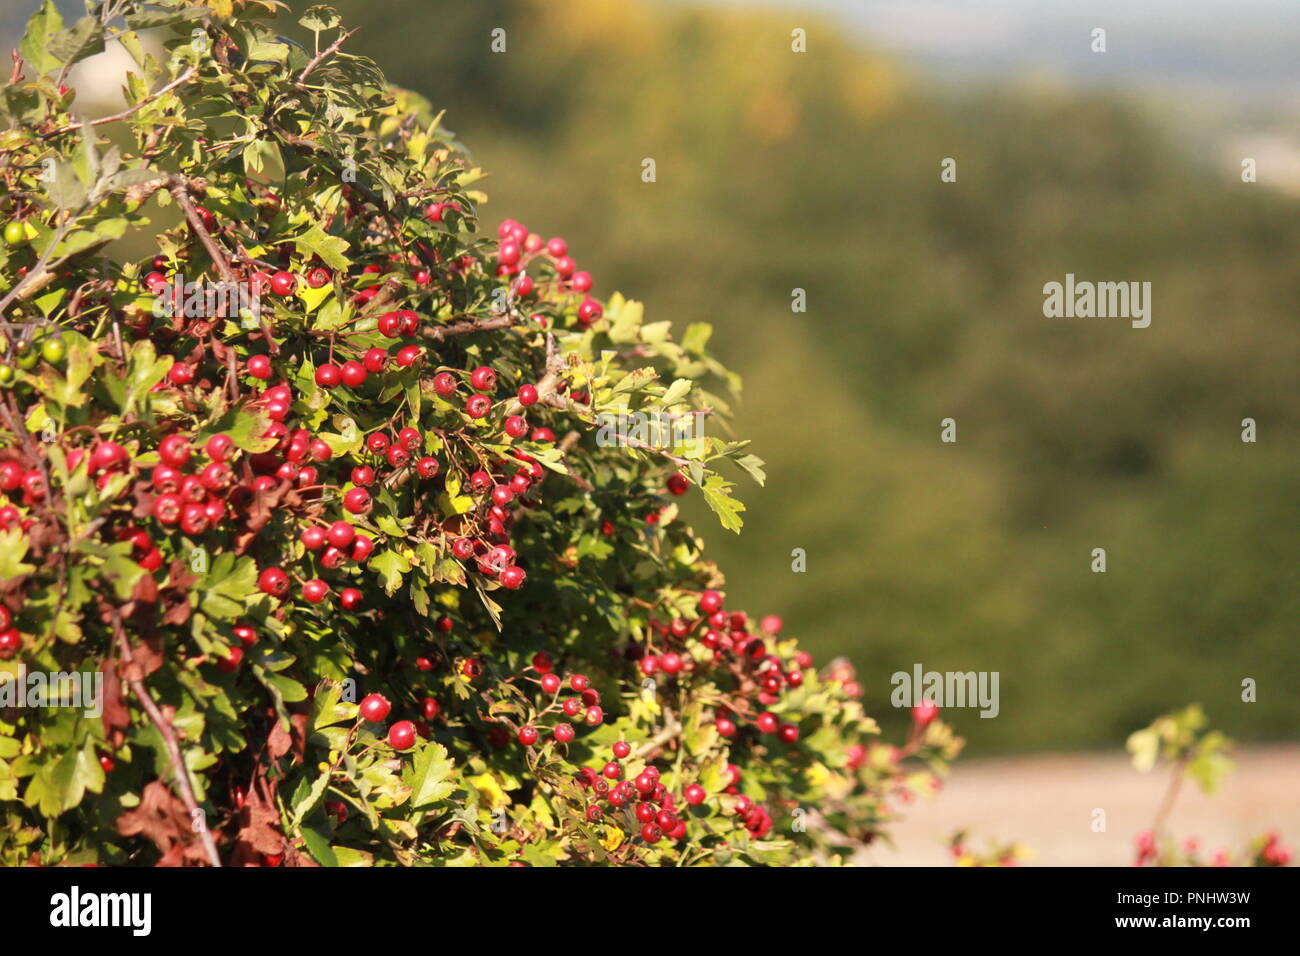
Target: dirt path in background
point(1047, 802)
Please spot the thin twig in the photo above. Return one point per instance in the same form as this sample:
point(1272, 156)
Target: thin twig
point(323, 55)
point(183, 78)
point(169, 739)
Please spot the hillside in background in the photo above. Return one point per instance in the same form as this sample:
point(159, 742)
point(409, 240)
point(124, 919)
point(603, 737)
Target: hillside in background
point(821, 171)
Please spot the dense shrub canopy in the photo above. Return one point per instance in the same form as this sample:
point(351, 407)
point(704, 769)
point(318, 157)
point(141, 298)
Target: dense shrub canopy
point(334, 533)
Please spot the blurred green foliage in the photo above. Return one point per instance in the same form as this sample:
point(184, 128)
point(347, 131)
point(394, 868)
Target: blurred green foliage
point(821, 171)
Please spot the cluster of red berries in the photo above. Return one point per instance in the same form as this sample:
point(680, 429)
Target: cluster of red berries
point(584, 707)
point(518, 247)
point(643, 799)
point(726, 635)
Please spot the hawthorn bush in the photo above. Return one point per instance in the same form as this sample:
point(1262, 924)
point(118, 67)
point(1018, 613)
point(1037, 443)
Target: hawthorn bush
point(321, 489)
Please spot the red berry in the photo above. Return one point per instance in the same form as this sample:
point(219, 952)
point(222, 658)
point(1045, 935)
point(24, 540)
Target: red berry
point(374, 708)
point(328, 375)
point(563, 733)
point(363, 475)
point(516, 426)
point(621, 749)
point(217, 477)
point(401, 736)
point(651, 833)
point(477, 406)
point(168, 508)
point(710, 602)
point(513, 577)
point(230, 663)
point(427, 467)
point(375, 360)
point(274, 582)
point(11, 641)
point(677, 483)
point(106, 455)
point(353, 373)
point(362, 548)
point(341, 534)
point(175, 450)
point(528, 736)
point(315, 590)
point(357, 500)
point(550, 683)
point(194, 520)
point(766, 722)
point(483, 379)
point(409, 355)
point(259, 366)
point(694, 795)
point(527, 395)
point(444, 383)
point(787, 733)
point(284, 283)
point(925, 712)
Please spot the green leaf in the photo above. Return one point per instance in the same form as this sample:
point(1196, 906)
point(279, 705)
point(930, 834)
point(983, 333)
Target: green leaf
point(65, 188)
point(319, 17)
point(754, 465)
point(717, 492)
point(316, 241)
point(228, 586)
point(86, 38)
point(678, 390)
point(390, 566)
point(319, 847)
point(697, 337)
point(427, 775)
point(328, 708)
point(1144, 745)
point(13, 545)
point(304, 805)
point(42, 28)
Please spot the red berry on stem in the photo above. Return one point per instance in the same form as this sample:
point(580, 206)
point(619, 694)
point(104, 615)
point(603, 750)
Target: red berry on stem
point(401, 736)
point(274, 582)
point(374, 708)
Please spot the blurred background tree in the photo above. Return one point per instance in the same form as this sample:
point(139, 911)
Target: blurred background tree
point(820, 171)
